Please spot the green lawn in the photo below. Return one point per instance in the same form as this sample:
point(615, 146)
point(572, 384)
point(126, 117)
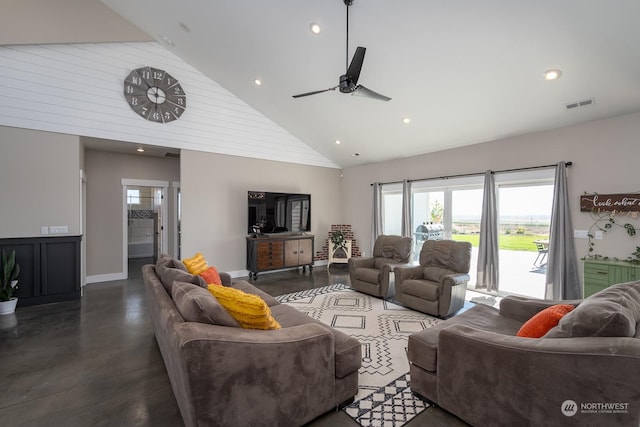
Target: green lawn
point(512, 242)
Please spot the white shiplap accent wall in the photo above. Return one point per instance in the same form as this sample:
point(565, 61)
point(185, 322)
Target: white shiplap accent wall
point(78, 89)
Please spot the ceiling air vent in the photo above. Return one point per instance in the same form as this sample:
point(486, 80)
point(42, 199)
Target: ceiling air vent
point(172, 155)
point(581, 103)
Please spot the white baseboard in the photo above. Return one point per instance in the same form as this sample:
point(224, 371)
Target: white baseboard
point(98, 278)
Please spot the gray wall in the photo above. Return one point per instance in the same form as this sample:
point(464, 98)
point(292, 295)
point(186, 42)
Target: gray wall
point(214, 202)
point(105, 172)
point(604, 154)
point(45, 169)
point(40, 175)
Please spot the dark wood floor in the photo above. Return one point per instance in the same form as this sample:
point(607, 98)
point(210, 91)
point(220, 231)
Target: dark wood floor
point(95, 362)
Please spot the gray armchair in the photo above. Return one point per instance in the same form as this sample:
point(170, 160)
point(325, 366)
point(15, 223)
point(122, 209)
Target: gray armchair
point(371, 274)
point(438, 285)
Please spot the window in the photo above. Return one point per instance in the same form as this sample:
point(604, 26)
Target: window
point(392, 209)
point(133, 196)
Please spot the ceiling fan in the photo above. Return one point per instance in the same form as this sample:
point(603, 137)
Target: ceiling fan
point(349, 80)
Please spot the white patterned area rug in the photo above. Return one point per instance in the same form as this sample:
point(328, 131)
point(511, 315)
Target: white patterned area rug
point(384, 397)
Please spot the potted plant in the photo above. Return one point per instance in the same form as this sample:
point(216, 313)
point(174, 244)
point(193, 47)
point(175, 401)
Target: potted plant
point(8, 282)
point(338, 240)
point(341, 251)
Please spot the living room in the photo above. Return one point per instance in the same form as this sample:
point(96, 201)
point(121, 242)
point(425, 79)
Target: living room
point(55, 176)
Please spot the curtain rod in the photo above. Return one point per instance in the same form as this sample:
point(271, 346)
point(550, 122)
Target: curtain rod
point(462, 175)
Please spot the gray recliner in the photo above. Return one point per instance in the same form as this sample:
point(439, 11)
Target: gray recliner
point(371, 275)
point(439, 284)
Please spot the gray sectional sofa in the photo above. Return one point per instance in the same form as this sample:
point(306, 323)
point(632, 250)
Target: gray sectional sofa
point(583, 372)
point(224, 375)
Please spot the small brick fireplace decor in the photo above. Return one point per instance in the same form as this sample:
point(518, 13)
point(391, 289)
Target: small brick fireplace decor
point(323, 253)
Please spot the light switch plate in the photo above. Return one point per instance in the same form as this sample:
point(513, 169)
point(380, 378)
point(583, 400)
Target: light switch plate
point(58, 229)
point(580, 234)
point(44, 230)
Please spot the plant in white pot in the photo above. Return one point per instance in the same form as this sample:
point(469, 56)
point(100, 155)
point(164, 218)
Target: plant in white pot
point(8, 282)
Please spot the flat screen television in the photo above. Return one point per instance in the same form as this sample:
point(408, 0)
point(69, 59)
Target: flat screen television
point(270, 213)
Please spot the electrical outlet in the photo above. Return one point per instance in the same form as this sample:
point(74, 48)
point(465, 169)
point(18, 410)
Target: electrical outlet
point(598, 235)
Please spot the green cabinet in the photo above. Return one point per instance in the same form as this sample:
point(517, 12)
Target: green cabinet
point(601, 274)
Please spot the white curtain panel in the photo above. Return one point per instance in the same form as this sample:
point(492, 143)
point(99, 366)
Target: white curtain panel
point(488, 268)
point(562, 281)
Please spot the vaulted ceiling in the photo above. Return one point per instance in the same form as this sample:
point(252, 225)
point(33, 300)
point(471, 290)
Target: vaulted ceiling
point(462, 71)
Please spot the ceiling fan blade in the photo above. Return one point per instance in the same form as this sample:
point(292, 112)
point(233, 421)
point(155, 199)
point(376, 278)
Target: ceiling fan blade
point(353, 72)
point(363, 91)
point(314, 92)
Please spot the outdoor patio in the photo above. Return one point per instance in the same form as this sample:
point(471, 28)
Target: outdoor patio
point(518, 275)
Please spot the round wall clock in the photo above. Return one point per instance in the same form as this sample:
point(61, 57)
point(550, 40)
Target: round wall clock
point(155, 95)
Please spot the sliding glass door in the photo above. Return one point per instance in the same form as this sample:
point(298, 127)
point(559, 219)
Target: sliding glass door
point(524, 221)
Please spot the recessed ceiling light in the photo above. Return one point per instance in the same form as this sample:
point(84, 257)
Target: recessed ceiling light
point(257, 82)
point(315, 28)
point(338, 142)
point(406, 120)
point(140, 150)
point(552, 74)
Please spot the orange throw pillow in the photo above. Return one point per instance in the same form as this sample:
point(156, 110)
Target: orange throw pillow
point(211, 276)
point(543, 321)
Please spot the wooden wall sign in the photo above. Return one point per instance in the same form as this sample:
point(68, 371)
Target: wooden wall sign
point(619, 203)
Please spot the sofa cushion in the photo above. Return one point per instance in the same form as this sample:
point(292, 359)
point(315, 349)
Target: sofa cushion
point(435, 274)
point(211, 276)
point(423, 289)
point(454, 256)
point(396, 248)
point(168, 275)
point(196, 264)
point(250, 289)
point(168, 261)
point(369, 275)
point(423, 345)
point(348, 355)
point(612, 312)
point(544, 320)
point(196, 304)
point(249, 310)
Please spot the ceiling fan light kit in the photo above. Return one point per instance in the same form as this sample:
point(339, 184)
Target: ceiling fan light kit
point(348, 82)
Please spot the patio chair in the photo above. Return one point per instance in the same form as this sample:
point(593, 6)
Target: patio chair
point(542, 254)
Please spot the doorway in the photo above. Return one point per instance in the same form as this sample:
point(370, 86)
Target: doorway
point(145, 219)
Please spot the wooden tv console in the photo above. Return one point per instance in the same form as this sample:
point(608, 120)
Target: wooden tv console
point(265, 253)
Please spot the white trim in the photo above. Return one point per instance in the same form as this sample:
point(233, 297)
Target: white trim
point(163, 185)
point(98, 278)
point(125, 233)
point(83, 232)
point(175, 187)
point(145, 182)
